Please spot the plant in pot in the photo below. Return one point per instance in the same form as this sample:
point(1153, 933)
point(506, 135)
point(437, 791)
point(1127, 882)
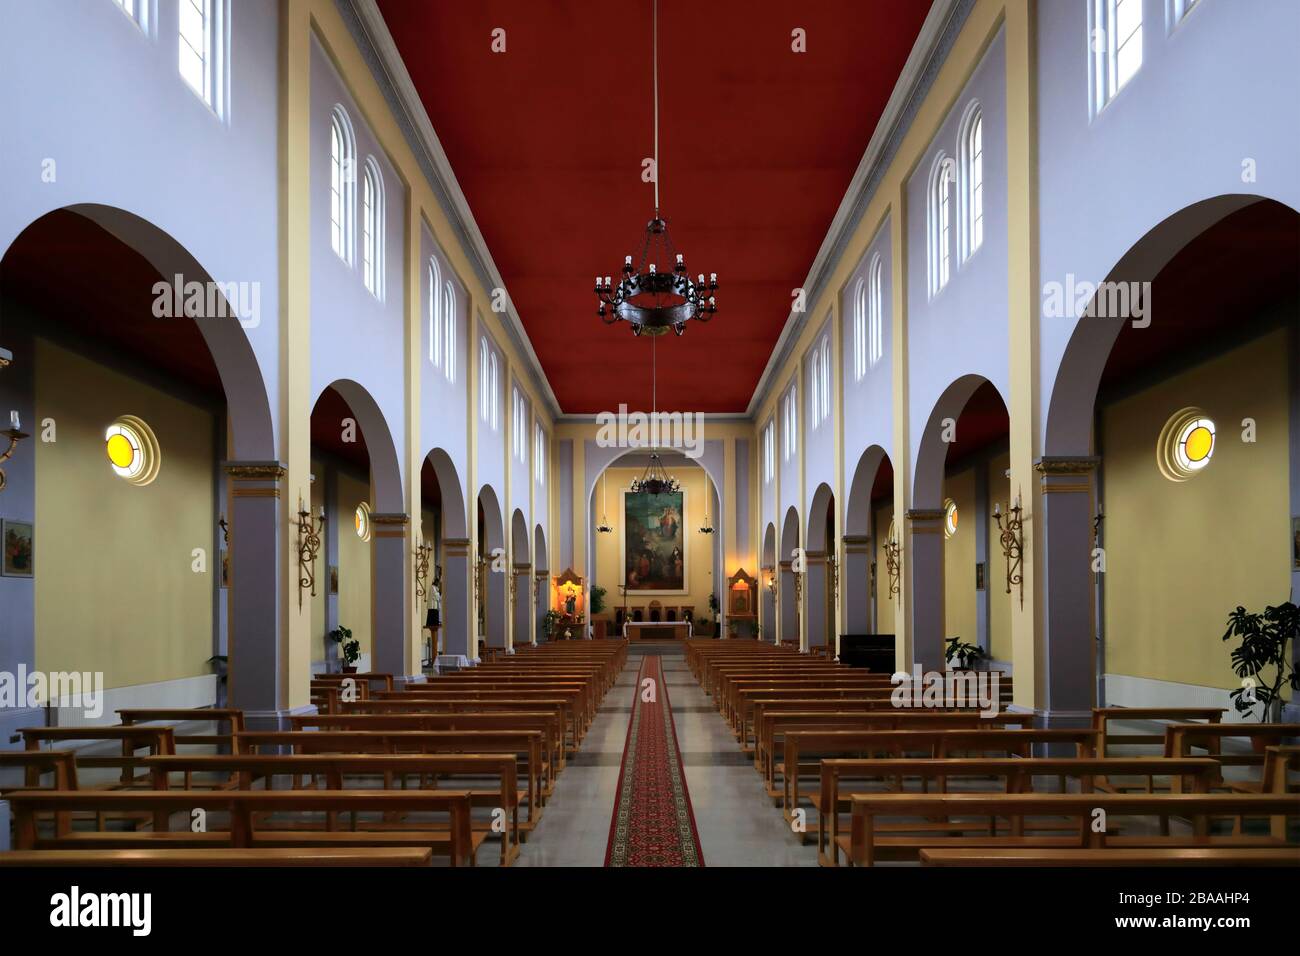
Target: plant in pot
point(597, 600)
point(713, 606)
point(221, 667)
point(551, 622)
point(350, 646)
point(965, 655)
point(1266, 641)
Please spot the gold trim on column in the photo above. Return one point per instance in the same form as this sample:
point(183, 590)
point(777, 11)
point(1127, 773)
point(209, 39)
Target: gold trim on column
point(1064, 465)
point(255, 471)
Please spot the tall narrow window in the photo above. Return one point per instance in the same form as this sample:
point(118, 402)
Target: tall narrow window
point(372, 229)
point(1179, 9)
point(495, 394)
point(136, 10)
point(449, 330)
point(859, 329)
point(433, 299)
point(939, 225)
point(1116, 44)
point(970, 148)
point(484, 406)
point(826, 378)
point(875, 310)
point(539, 454)
point(201, 47)
point(814, 387)
point(342, 183)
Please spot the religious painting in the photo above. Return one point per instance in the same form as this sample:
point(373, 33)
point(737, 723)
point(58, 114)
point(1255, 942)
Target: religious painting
point(18, 554)
point(334, 579)
point(654, 543)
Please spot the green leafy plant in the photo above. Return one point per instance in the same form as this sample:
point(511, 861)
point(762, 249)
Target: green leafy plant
point(551, 621)
point(713, 603)
point(1265, 643)
point(351, 646)
point(965, 654)
point(597, 599)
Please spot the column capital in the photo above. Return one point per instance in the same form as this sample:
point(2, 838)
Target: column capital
point(255, 470)
point(925, 520)
point(394, 518)
point(856, 543)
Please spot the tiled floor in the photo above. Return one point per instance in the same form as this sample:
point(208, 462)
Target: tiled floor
point(738, 825)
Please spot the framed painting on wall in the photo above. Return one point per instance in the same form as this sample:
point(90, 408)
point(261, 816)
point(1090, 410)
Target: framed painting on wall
point(654, 543)
point(19, 556)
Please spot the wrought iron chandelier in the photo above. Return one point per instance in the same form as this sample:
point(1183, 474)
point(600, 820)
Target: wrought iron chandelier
point(653, 302)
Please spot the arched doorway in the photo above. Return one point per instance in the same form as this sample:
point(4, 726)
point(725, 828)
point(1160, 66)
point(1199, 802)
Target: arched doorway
point(541, 583)
point(442, 501)
point(963, 443)
point(357, 486)
point(768, 586)
point(89, 315)
point(492, 570)
point(819, 576)
point(1126, 548)
point(868, 518)
point(521, 580)
point(788, 599)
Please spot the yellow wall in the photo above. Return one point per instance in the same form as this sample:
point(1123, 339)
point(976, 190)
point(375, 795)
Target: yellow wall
point(699, 547)
point(354, 562)
point(959, 561)
point(1000, 608)
point(1181, 555)
point(115, 589)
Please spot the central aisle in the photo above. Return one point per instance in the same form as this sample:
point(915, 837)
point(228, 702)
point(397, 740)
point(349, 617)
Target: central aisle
point(736, 822)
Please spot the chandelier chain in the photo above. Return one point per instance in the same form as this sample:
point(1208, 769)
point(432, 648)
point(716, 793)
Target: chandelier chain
point(656, 99)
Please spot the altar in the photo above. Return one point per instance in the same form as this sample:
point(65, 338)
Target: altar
point(657, 630)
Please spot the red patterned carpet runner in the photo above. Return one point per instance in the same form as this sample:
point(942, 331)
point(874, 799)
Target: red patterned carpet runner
point(652, 824)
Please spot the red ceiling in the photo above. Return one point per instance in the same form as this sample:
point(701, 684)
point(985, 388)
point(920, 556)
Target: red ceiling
point(758, 145)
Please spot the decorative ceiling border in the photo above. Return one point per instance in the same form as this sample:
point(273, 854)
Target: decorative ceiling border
point(370, 32)
point(933, 43)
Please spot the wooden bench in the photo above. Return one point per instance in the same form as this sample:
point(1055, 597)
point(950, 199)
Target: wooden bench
point(244, 770)
point(1012, 774)
point(153, 738)
point(865, 845)
point(1112, 856)
point(223, 857)
point(232, 717)
point(245, 808)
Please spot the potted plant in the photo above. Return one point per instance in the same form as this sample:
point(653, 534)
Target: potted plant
point(221, 667)
point(350, 646)
point(1265, 643)
point(551, 622)
point(966, 655)
point(597, 600)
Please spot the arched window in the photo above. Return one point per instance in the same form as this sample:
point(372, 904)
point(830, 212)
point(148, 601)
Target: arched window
point(433, 298)
point(826, 378)
point(970, 149)
point(814, 387)
point(859, 329)
point(372, 229)
point(875, 310)
point(496, 391)
point(449, 330)
point(137, 10)
point(484, 406)
point(539, 454)
point(197, 44)
point(939, 222)
point(342, 184)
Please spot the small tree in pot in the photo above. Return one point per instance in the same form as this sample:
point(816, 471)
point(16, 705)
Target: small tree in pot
point(1266, 641)
point(966, 655)
point(350, 645)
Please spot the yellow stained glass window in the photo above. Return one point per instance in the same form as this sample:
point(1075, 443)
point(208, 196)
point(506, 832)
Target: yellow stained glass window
point(132, 450)
point(1186, 444)
point(363, 521)
point(949, 518)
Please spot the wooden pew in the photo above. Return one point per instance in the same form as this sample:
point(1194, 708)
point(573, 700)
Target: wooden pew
point(866, 845)
point(1112, 856)
point(232, 717)
point(1009, 774)
point(336, 769)
point(1102, 717)
point(564, 702)
point(223, 857)
point(513, 742)
point(245, 808)
point(154, 738)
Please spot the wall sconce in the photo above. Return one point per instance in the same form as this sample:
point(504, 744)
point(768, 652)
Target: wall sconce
point(1013, 542)
point(309, 535)
point(798, 589)
point(422, 552)
point(769, 580)
point(1097, 519)
point(603, 527)
point(833, 571)
point(13, 434)
point(894, 567)
point(224, 525)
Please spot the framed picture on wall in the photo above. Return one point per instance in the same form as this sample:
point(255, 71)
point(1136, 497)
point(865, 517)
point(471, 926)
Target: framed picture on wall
point(979, 575)
point(1295, 543)
point(334, 579)
point(19, 557)
point(654, 543)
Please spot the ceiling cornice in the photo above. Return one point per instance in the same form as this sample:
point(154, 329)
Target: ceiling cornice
point(370, 32)
point(936, 38)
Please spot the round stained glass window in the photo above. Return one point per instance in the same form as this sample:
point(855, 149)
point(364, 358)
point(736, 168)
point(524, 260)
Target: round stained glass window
point(363, 521)
point(132, 450)
point(1186, 444)
point(949, 518)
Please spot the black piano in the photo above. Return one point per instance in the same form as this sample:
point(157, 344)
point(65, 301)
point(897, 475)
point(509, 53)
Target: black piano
point(874, 652)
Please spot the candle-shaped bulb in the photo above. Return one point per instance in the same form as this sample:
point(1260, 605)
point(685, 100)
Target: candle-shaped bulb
point(652, 268)
point(997, 509)
point(607, 283)
point(627, 260)
point(700, 280)
point(679, 258)
point(713, 278)
point(14, 420)
point(322, 512)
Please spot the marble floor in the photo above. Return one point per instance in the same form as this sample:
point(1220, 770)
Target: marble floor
point(738, 825)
